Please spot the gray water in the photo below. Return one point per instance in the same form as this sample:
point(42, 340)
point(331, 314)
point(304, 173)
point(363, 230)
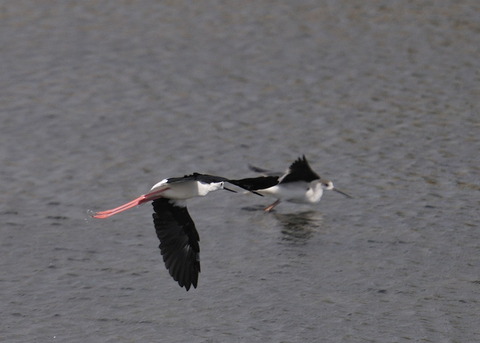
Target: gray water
point(100, 100)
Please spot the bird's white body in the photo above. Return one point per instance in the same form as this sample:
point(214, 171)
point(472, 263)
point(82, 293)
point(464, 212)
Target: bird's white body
point(184, 190)
point(296, 192)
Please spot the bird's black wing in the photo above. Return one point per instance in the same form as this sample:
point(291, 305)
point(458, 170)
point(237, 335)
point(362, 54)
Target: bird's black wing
point(178, 241)
point(265, 172)
point(299, 171)
point(204, 178)
point(256, 183)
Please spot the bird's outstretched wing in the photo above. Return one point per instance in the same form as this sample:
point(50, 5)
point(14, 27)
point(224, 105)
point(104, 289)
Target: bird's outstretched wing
point(178, 241)
point(253, 184)
point(299, 170)
point(264, 172)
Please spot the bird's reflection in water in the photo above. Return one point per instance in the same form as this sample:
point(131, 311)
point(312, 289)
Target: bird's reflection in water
point(298, 228)
point(254, 208)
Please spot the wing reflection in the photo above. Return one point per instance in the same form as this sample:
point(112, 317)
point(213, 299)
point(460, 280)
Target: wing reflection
point(298, 228)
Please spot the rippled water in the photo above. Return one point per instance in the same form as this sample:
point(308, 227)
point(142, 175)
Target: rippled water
point(100, 101)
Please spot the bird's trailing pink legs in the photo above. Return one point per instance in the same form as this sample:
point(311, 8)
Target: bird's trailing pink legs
point(138, 201)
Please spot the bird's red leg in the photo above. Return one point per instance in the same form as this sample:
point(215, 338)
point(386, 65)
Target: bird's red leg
point(138, 201)
point(108, 213)
point(270, 207)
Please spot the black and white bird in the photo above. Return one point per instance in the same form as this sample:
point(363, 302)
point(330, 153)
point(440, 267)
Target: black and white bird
point(299, 184)
point(174, 227)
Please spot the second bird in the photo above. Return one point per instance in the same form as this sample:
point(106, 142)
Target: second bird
point(299, 184)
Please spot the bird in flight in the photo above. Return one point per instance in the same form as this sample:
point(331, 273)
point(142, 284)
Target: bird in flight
point(174, 227)
point(299, 184)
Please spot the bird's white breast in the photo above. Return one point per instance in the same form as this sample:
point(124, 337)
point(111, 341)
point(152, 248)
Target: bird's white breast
point(315, 192)
point(298, 192)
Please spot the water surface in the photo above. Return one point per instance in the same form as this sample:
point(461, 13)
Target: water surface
point(101, 101)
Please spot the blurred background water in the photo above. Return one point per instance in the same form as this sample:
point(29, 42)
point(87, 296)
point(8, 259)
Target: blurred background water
point(100, 100)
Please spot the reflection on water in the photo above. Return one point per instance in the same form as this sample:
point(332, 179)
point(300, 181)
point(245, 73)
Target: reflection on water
point(298, 227)
point(253, 208)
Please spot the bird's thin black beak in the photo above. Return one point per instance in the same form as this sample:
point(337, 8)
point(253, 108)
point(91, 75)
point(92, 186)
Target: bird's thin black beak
point(230, 190)
point(339, 191)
